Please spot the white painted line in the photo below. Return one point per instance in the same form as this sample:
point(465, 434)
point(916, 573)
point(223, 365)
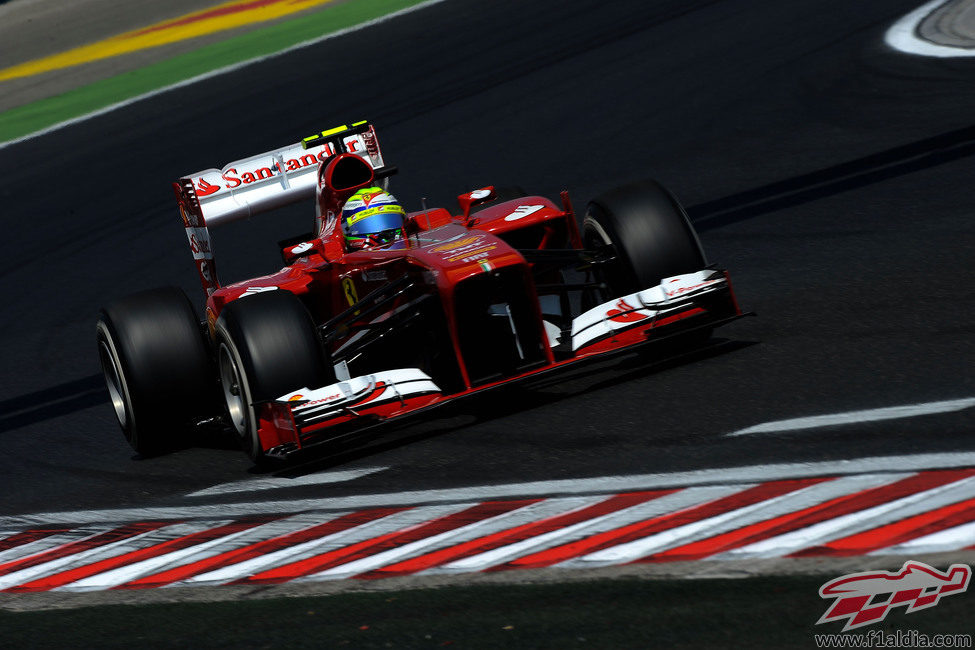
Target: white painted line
point(112, 549)
point(268, 532)
point(670, 503)
point(504, 521)
point(950, 539)
point(903, 36)
point(565, 487)
point(732, 520)
point(46, 544)
point(135, 570)
point(221, 71)
point(272, 483)
point(855, 417)
point(188, 555)
point(855, 522)
point(317, 546)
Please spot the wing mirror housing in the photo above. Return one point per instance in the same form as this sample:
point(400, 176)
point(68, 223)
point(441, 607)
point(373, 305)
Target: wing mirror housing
point(303, 249)
point(477, 197)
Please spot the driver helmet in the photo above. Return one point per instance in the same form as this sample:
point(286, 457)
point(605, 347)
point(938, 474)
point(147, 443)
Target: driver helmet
point(372, 217)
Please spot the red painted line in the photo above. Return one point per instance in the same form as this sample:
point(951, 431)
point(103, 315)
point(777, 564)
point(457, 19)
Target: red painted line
point(205, 15)
point(806, 517)
point(28, 536)
point(123, 532)
point(382, 543)
point(256, 549)
point(514, 535)
point(78, 573)
point(642, 529)
point(897, 532)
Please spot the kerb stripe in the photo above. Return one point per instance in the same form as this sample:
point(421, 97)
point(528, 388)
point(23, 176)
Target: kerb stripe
point(65, 577)
point(264, 547)
point(900, 531)
point(513, 535)
point(644, 528)
point(371, 546)
point(809, 516)
point(120, 533)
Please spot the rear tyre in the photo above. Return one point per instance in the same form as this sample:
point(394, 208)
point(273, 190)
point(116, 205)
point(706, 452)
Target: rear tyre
point(156, 367)
point(650, 231)
point(267, 345)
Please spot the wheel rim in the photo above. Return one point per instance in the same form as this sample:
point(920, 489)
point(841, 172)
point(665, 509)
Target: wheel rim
point(232, 390)
point(113, 379)
point(595, 234)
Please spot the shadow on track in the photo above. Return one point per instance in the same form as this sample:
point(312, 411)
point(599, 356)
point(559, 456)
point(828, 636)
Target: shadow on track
point(881, 166)
point(498, 404)
point(52, 402)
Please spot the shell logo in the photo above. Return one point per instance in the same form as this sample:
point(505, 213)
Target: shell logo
point(457, 244)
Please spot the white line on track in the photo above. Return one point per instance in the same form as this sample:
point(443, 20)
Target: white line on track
point(855, 522)
point(902, 35)
point(253, 485)
point(560, 536)
point(565, 487)
point(220, 71)
point(504, 521)
point(951, 539)
point(92, 555)
point(122, 574)
point(369, 530)
point(733, 519)
point(854, 417)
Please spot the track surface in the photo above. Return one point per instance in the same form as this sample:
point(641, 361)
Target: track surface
point(830, 174)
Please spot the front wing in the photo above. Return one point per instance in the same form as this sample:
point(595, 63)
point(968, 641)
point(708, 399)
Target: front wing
point(679, 304)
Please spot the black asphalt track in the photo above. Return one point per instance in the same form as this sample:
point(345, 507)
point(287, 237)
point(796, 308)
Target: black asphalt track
point(831, 175)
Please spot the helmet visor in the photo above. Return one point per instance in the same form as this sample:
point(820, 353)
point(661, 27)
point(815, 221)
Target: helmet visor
point(375, 220)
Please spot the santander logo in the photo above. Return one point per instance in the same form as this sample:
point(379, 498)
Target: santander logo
point(232, 177)
point(203, 188)
point(624, 313)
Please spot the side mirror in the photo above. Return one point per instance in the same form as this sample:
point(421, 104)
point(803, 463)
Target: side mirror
point(477, 197)
point(304, 249)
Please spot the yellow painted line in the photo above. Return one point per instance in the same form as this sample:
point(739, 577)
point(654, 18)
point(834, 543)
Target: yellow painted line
point(222, 17)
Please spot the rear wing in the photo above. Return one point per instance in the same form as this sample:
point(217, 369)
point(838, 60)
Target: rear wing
point(261, 183)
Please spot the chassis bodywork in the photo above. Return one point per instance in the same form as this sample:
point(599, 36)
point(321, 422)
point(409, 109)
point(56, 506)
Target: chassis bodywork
point(498, 292)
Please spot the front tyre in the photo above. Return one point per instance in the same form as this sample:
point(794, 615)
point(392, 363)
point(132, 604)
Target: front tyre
point(650, 231)
point(267, 345)
point(156, 367)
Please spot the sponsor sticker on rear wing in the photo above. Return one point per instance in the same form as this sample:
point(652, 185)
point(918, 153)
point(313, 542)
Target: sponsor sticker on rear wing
point(263, 182)
point(279, 177)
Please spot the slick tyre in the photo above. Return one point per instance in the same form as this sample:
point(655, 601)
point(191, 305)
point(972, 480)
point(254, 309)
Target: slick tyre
point(266, 346)
point(650, 231)
point(154, 358)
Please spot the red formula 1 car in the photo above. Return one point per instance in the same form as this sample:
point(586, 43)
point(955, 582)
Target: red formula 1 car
point(341, 339)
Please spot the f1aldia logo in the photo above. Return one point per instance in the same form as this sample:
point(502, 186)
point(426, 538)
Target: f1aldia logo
point(866, 598)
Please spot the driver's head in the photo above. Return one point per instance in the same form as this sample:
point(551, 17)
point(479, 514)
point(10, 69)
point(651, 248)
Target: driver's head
point(372, 217)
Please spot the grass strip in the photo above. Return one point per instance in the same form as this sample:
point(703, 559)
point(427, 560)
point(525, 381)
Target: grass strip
point(766, 612)
point(43, 113)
